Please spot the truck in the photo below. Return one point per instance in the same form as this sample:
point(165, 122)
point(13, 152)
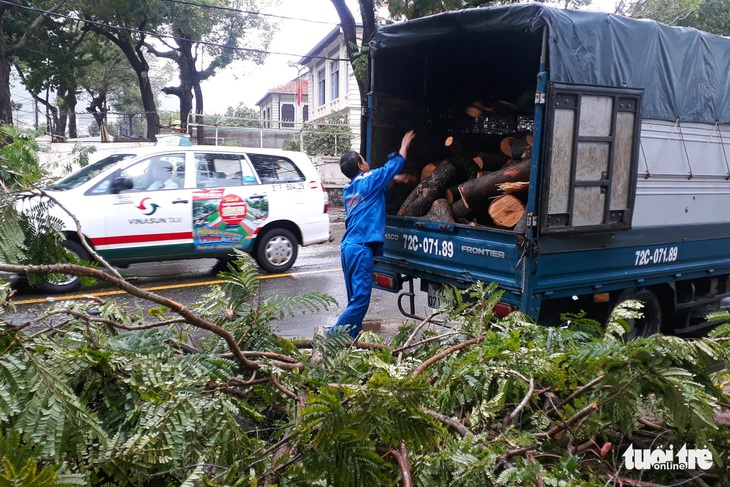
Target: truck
point(627, 194)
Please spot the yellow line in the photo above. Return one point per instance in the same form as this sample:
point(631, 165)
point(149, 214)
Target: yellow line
point(163, 288)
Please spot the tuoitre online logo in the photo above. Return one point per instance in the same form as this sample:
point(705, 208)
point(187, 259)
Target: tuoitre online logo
point(667, 459)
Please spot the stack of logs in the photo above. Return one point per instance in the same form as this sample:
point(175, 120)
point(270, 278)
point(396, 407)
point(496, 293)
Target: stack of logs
point(481, 189)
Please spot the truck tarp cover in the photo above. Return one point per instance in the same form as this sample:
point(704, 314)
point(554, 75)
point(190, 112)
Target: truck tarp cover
point(685, 72)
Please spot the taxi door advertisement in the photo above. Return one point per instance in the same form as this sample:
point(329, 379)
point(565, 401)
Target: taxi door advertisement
point(226, 221)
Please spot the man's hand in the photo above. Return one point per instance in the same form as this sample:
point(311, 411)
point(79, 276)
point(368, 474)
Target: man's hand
point(406, 143)
point(405, 178)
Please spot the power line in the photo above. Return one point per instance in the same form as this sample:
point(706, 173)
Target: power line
point(167, 36)
point(250, 12)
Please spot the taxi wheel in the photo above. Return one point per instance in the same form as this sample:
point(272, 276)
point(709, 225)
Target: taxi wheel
point(276, 250)
point(66, 283)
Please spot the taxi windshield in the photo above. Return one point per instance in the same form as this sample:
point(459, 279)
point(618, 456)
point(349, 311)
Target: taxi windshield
point(85, 174)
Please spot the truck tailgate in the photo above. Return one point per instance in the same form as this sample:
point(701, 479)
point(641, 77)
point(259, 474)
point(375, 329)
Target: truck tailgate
point(450, 253)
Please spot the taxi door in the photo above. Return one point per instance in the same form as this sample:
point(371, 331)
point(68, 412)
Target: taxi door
point(229, 206)
point(153, 218)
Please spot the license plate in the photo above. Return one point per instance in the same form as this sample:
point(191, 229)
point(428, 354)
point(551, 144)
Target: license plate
point(435, 294)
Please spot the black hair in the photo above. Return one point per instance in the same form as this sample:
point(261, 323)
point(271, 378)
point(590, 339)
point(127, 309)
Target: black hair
point(349, 164)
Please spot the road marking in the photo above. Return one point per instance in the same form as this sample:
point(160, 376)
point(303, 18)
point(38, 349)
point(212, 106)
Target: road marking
point(163, 288)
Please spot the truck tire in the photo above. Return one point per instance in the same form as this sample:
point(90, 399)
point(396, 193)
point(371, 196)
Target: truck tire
point(67, 283)
point(651, 321)
point(276, 250)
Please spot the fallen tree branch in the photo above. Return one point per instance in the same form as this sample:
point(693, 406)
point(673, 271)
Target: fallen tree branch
point(402, 461)
point(421, 368)
point(558, 427)
point(511, 417)
point(428, 340)
point(581, 390)
point(123, 285)
point(415, 332)
point(451, 422)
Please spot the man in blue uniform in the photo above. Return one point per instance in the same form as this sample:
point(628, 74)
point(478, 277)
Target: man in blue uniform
point(364, 199)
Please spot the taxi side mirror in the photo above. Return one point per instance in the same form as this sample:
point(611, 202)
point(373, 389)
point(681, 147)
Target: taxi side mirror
point(121, 184)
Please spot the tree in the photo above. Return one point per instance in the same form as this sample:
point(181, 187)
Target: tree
point(712, 16)
point(329, 137)
point(241, 116)
point(126, 24)
point(17, 26)
point(708, 15)
point(666, 11)
point(204, 38)
point(52, 63)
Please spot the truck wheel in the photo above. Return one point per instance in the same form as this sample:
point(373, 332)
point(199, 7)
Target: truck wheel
point(66, 283)
point(651, 320)
point(276, 250)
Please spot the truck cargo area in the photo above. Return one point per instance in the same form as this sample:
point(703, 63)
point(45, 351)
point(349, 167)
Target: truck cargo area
point(555, 159)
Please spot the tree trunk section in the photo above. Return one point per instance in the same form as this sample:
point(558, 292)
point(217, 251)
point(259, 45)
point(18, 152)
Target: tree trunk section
point(6, 108)
point(461, 158)
point(476, 192)
point(428, 169)
point(460, 211)
point(440, 211)
point(506, 211)
point(428, 190)
point(491, 162)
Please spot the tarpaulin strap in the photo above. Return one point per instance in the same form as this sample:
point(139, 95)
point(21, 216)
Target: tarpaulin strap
point(722, 145)
point(684, 146)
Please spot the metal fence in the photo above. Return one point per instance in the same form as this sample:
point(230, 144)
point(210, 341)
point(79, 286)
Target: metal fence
point(314, 137)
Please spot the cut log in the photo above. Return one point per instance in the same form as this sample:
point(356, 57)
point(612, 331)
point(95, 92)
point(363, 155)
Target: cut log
point(477, 109)
point(521, 147)
point(506, 211)
point(452, 194)
point(440, 211)
point(428, 169)
point(490, 162)
point(419, 201)
point(521, 227)
point(504, 146)
point(460, 210)
point(476, 192)
point(461, 158)
point(474, 112)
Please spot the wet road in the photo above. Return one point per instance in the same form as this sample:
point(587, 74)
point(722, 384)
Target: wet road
point(317, 269)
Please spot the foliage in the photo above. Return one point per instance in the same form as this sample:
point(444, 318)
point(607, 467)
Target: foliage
point(291, 145)
point(666, 11)
point(241, 116)
point(204, 38)
point(330, 137)
point(19, 166)
point(406, 10)
point(94, 393)
point(486, 401)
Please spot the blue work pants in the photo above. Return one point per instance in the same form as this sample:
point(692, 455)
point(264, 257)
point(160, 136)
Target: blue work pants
point(357, 265)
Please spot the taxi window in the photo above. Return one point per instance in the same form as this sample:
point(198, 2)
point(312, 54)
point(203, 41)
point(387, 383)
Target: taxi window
point(275, 169)
point(87, 173)
point(214, 170)
point(157, 173)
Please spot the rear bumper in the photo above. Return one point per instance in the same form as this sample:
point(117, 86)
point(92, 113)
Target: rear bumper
point(317, 231)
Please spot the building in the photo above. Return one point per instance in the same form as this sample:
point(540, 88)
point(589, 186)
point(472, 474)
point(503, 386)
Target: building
point(332, 84)
point(286, 106)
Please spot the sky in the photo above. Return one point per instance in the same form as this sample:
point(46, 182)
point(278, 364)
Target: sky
point(295, 38)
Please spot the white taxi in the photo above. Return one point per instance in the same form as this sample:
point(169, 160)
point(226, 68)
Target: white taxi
point(182, 202)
